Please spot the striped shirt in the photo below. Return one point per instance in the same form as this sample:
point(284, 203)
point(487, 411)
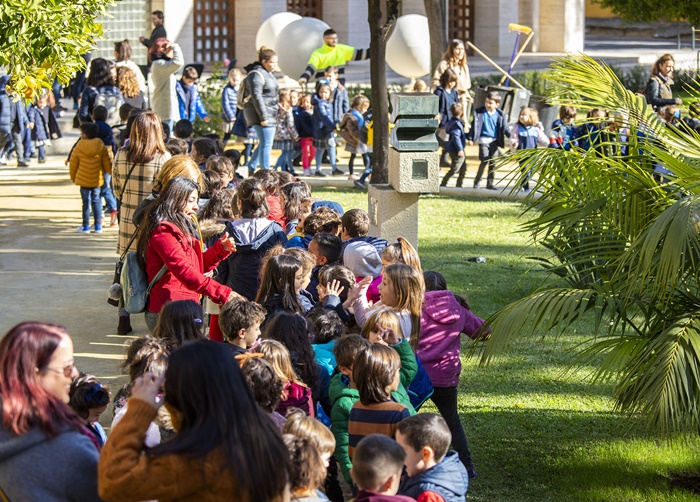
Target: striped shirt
point(379, 418)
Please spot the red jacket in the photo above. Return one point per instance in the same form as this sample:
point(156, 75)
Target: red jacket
point(274, 203)
point(185, 279)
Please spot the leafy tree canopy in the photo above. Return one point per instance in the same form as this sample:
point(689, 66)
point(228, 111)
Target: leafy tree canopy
point(654, 10)
point(43, 39)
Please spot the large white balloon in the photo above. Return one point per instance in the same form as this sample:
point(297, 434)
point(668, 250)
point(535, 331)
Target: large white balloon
point(271, 28)
point(408, 48)
point(296, 42)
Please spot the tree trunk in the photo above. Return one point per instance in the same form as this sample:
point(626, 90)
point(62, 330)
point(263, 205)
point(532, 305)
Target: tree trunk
point(380, 28)
point(436, 12)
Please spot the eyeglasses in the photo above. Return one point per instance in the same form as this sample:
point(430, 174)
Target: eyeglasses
point(67, 371)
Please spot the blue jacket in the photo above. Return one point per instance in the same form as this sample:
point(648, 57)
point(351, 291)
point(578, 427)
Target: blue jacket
point(299, 242)
point(568, 133)
point(323, 119)
point(304, 122)
point(420, 388)
point(502, 129)
point(229, 101)
point(105, 134)
point(527, 136)
point(447, 99)
point(5, 105)
point(448, 478)
point(341, 104)
point(195, 106)
point(457, 137)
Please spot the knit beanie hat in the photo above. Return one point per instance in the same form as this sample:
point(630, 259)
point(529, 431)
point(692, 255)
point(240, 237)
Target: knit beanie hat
point(362, 259)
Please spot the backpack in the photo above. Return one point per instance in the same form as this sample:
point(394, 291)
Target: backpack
point(244, 92)
point(112, 102)
point(135, 286)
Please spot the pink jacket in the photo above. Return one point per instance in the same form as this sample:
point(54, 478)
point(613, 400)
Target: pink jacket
point(442, 320)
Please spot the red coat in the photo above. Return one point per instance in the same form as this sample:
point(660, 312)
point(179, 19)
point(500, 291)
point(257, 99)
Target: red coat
point(185, 279)
point(274, 203)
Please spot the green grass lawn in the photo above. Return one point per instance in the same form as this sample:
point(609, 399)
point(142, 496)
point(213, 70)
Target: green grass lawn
point(535, 432)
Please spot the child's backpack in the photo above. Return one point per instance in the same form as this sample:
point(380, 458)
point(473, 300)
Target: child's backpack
point(244, 91)
point(135, 285)
point(112, 102)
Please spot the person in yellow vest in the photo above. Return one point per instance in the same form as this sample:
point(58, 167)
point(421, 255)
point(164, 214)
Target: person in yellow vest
point(331, 54)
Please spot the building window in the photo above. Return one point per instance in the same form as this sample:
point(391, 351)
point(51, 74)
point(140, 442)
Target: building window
point(215, 20)
point(306, 8)
point(460, 20)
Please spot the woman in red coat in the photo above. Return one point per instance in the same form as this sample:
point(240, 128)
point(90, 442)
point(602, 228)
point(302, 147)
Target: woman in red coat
point(170, 239)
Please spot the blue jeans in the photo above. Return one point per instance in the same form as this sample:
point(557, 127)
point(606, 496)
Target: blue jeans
point(91, 197)
point(331, 156)
point(285, 161)
point(108, 194)
point(266, 136)
point(42, 152)
point(368, 168)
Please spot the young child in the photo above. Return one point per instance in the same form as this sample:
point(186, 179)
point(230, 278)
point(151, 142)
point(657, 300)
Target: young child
point(448, 95)
point(281, 279)
point(202, 149)
point(527, 134)
point(291, 331)
point(435, 474)
point(444, 317)
point(420, 86)
point(188, 96)
point(179, 322)
point(211, 183)
point(377, 467)
point(304, 122)
point(239, 321)
point(324, 128)
point(350, 127)
point(308, 263)
point(303, 427)
point(223, 166)
point(286, 134)
point(293, 194)
point(295, 394)
point(327, 249)
point(183, 130)
point(99, 117)
point(254, 235)
point(325, 328)
point(457, 141)
point(564, 128)
point(88, 161)
point(322, 219)
point(489, 129)
point(376, 374)
point(307, 469)
point(269, 182)
point(401, 251)
point(592, 134)
point(339, 101)
point(89, 399)
point(402, 289)
point(144, 355)
point(264, 383)
point(335, 282)
point(45, 125)
point(229, 100)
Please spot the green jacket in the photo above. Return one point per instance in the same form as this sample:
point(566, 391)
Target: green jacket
point(342, 398)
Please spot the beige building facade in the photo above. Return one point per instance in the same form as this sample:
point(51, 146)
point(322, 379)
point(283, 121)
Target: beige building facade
point(211, 31)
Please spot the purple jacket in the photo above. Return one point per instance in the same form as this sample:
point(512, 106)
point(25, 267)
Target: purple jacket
point(442, 320)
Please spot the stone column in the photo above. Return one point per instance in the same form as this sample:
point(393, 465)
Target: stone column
point(530, 16)
point(491, 33)
point(562, 24)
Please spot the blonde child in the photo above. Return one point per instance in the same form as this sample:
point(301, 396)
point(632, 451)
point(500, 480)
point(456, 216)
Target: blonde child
point(350, 127)
point(304, 122)
point(286, 134)
point(401, 251)
point(229, 99)
point(307, 470)
point(402, 288)
point(527, 134)
point(420, 86)
point(294, 392)
point(89, 399)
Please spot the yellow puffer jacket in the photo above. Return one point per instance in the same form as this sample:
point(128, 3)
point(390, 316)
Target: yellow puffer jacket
point(90, 158)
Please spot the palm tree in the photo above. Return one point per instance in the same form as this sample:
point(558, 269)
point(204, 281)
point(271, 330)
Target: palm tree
point(625, 250)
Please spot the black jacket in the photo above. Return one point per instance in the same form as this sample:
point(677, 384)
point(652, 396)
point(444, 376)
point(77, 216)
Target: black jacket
point(502, 128)
point(261, 86)
point(158, 32)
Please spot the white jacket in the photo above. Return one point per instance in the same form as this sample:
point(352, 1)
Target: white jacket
point(164, 98)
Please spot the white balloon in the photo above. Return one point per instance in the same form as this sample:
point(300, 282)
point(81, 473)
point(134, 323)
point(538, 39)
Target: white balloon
point(271, 28)
point(296, 42)
point(408, 48)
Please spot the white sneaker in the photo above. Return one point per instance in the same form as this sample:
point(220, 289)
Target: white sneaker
point(83, 230)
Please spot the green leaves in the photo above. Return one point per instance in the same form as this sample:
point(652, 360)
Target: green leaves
point(44, 39)
point(627, 247)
